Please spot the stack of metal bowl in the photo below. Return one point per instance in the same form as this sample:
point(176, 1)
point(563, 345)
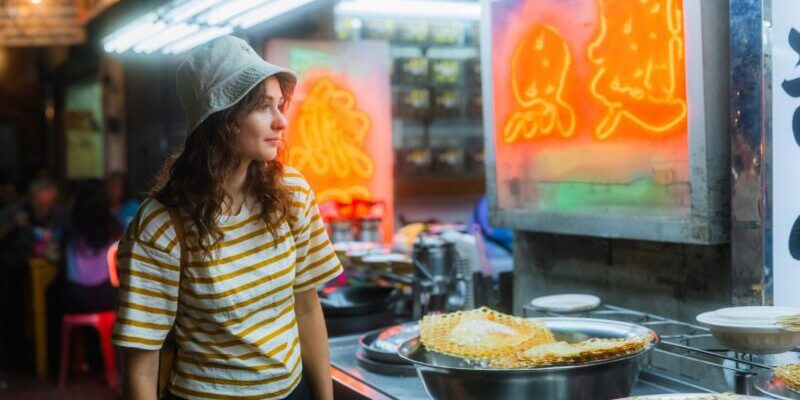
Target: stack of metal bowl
point(447, 377)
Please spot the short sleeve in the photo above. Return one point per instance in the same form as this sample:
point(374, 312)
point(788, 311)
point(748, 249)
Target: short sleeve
point(316, 261)
point(148, 260)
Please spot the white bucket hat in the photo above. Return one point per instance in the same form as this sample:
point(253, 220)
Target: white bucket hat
point(218, 74)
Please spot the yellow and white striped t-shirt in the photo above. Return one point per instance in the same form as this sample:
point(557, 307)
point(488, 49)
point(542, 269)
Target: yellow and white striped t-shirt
point(234, 312)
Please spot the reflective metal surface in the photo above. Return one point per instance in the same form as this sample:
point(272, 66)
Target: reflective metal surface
point(381, 345)
point(383, 368)
point(448, 377)
point(750, 153)
point(769, 384)
point(695, 396)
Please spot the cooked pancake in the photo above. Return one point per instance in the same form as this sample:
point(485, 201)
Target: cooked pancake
point(570, 353)
point(481, 333)
point(484, 333)
point(790, 375)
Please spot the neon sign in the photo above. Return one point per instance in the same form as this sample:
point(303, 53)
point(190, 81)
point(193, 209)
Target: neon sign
point(539, 71)
point(329, 136)
point(589, 106)
point(636, 75)
point(639, 74)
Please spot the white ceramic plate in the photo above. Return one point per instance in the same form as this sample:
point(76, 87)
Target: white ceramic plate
point(566, 303)
point(386, 258)
point(746, 319)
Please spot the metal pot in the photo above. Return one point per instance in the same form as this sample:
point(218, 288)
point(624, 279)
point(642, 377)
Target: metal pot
point(448, 377)
point(370, 229)
point(436, 255)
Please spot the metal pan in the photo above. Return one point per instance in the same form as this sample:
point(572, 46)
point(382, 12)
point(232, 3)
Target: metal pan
point(382, 367)
point(357, 300)
point(368, 346)
point(766, 382)
point(448, 377)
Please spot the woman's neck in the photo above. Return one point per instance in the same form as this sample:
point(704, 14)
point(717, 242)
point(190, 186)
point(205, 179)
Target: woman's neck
point(234, 189)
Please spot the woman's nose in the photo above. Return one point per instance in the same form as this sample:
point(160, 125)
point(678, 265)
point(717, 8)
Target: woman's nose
point(279, 122)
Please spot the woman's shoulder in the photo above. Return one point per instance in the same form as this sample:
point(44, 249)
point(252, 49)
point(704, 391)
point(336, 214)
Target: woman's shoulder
point(293, 177)
point(296, 182)
point(151, 221)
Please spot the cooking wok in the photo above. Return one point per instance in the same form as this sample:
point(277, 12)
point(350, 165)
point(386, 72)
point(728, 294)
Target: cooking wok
point(348, 301)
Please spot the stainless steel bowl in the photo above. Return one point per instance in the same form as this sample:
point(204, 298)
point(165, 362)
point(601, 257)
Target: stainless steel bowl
point(447, 377)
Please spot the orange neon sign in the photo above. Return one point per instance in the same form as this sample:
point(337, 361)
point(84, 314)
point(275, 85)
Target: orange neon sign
point(340, 123)
point(636, 75)
point(589, 105)
point(640, 76)
point(328, 143)
point(539, 71)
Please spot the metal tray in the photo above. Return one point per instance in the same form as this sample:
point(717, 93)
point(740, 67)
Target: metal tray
point(367, 342)
point(384, 368)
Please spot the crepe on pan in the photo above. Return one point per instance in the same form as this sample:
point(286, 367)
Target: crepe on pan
point(789, 375)
point(481, 333)
point(561, 353)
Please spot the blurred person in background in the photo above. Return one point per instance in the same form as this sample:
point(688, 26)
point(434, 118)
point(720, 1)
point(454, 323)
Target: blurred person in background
point(33, 227)
point(40, 223)
point(91, 232)
point(121, 205)
point(28, 228)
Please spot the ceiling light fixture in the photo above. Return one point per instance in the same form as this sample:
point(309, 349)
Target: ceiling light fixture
point(182, 25)
point(228, 10)
point(197, 39)
point(267, 11)
point(167, 36)
point(421, 9)
point(189, 9)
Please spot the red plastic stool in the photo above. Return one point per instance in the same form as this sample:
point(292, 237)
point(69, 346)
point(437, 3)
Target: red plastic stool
point(103, 322)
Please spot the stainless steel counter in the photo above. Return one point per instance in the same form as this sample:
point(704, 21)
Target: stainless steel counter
point(687, 360)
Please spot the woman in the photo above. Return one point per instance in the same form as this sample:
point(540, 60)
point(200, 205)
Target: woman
point(239, 285)
point(90, 233)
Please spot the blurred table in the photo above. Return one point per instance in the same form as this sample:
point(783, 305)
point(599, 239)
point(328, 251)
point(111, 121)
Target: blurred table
point(42, 275)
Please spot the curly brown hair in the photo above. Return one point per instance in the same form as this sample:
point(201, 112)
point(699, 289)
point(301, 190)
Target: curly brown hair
point(191, 180)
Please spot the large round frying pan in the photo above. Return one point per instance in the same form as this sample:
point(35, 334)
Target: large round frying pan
point(348, 301)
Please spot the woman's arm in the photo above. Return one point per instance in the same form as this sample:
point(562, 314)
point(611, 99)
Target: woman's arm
point(314, 343)
point(141, 374)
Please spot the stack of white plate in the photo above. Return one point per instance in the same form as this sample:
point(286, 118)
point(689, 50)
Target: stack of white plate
point(752, 330)
point(566, 303)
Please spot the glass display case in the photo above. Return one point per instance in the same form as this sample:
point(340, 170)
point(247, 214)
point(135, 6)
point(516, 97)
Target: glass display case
point(604, 117)
point(436, 100)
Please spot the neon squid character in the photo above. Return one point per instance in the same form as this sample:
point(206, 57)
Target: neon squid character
point(637, 56)
point(540, 68)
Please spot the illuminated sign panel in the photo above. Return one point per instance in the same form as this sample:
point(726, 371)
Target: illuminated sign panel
point(590, 106)
point(339, 133)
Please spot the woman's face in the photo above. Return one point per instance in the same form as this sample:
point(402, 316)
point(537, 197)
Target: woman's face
point(261, 131)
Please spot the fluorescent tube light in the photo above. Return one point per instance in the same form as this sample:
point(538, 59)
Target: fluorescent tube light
point(198, 38)
point(170, 35)
point(422, 9)
point(228, 10)
point(267, 11)
point(189, 9)
point(133, 34)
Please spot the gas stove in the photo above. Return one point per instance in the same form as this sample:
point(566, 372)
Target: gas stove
point(688, 360)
